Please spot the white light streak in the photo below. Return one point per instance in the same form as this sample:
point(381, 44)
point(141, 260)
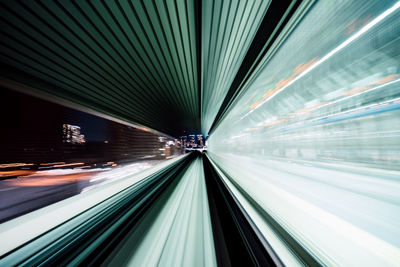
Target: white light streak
point(354, 37)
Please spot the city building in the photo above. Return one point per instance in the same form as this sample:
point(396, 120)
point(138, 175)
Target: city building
point(72, 134)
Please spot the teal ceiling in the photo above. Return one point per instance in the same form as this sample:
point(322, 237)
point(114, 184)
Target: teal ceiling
point(228, 27)
point(167, 65)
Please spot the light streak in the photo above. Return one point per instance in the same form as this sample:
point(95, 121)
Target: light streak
point(354, 37)
point(10, 165)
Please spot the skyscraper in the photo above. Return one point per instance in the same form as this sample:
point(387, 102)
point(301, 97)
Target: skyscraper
point(72, 134)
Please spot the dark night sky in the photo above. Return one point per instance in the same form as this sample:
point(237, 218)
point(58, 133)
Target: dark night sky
point(32, 131)
point(20, 112)
point(94, 128)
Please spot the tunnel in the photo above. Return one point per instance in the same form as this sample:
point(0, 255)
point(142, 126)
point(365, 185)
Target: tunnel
point(240, 133)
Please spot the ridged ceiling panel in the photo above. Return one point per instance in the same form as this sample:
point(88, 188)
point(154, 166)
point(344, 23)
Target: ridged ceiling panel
point(228, 28)
point(135, 60)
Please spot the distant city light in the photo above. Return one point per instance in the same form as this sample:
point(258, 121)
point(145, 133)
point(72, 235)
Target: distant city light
point(72, 134)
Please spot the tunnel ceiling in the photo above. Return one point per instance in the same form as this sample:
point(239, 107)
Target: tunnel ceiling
point(172, 66)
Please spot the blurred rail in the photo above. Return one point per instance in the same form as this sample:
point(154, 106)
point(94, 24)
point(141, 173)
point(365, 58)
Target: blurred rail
point(162, 218)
